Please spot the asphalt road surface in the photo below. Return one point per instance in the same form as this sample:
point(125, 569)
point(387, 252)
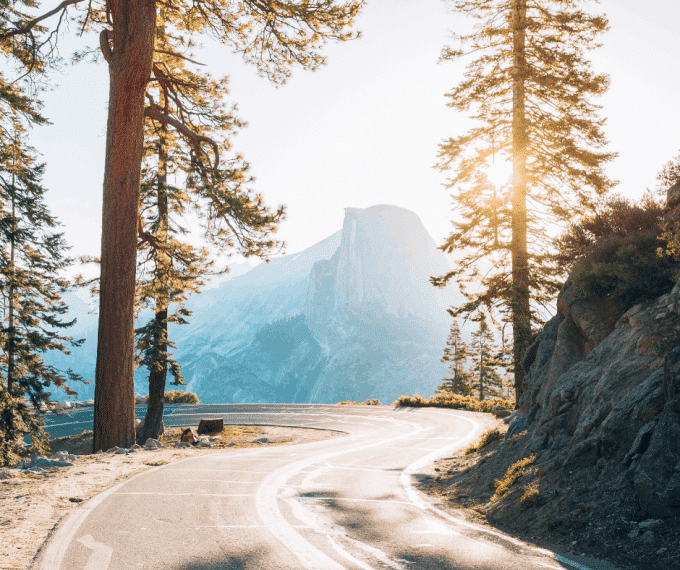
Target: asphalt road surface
point(347, 503)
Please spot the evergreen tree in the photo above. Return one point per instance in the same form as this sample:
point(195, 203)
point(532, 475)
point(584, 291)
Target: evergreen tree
point(529, 86)
point(485, 362)
point(31, 258)
point(273, 35)
point(456, 353)
point(233, 218)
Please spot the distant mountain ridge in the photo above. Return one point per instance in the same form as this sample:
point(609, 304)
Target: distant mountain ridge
point(353, 316)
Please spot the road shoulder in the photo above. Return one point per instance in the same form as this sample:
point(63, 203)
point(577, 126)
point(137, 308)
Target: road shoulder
point(463, 485)
point(32, 504)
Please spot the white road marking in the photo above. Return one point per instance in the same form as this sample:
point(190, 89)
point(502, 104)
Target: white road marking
point(321, 524)
point(101, 553)
point(342, 552)
point(416, 499)
point(218, 470)
point(155, 494)
point(268, 509)
point(307, 481)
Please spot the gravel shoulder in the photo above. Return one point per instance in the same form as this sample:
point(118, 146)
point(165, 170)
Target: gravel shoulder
point(31, 504)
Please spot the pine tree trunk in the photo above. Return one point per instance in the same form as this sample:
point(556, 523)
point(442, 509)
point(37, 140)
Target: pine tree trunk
point(159, 366)
point(9, 416)
point(481, 369)
point(519, 302)
point(157, 377)
point(129, 71)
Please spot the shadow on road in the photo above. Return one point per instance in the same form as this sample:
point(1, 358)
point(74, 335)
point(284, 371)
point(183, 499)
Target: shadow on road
point(241, 561)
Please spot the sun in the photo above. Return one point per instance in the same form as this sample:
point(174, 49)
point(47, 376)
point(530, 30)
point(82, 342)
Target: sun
point(499, 172)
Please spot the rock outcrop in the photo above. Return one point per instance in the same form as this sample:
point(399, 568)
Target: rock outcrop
point(601, 396)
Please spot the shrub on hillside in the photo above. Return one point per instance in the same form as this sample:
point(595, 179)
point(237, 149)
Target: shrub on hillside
point(180, 397)
point(512, 475)
point(373, 402)
point(488, 437)
point(613, 253)
point(530, 496)
point(454, 401)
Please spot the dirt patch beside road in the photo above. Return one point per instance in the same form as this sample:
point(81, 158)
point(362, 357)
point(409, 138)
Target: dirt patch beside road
point(32, 504)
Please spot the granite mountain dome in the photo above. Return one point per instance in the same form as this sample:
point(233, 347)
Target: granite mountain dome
point(353, 316)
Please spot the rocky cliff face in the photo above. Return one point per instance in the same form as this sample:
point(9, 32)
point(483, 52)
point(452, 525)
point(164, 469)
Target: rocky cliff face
point(601, 397)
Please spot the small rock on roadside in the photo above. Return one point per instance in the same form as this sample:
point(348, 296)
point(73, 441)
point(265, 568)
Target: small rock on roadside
point(189, 436)
point(262, 440)
point(152, 444)
point(39, 462)
point(648, 537)
point(6, 474)
point(661, 550)
point(183, 444)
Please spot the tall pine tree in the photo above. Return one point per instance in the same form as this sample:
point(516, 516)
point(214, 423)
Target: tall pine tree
point(485, 361)
point(529, 86)
point(31, 259)
point(233, 218)
point(457, 354)
point(273, 35)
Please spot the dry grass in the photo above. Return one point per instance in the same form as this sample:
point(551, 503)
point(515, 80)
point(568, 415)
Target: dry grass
point(454, 401)
point(512, 475)
point(530, 496)
point(487, 438)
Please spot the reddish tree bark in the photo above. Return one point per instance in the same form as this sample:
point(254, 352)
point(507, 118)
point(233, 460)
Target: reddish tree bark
point(130, 59)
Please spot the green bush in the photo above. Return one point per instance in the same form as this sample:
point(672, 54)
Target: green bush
point(180, 397)
point(454, 401)
point(613, 253)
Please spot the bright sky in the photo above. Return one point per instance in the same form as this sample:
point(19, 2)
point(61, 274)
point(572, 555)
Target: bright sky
point(365, 129)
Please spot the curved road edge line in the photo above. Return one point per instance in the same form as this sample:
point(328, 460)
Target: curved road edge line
point(52, 551)
point(268, 510)
point(420, 500)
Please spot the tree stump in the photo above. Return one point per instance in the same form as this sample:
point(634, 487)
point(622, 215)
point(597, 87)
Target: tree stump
point(210, 426)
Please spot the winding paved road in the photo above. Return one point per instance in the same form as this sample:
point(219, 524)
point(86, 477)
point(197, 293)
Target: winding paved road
point(341, 504)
